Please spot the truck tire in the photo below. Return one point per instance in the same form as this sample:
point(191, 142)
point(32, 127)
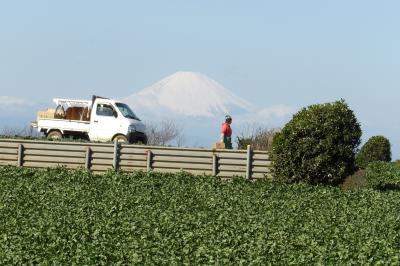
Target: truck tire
point(120, 138)
point(54, 135)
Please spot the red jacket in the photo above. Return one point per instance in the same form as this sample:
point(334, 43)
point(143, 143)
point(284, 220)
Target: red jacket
point(226, 129)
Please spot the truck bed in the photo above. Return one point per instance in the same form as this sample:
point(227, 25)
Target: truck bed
point(63, 125)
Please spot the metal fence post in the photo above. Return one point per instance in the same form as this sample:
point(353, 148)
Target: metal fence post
point(116, 155)
point(149, 160)
point(87, 159)
point(20, 155)
point(214, 165)
point(249, 162)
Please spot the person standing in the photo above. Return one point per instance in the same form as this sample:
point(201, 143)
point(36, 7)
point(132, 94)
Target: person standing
point(226, 132)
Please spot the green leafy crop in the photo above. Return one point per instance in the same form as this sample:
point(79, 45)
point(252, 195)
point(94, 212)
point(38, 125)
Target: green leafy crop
point(383, 176)
point(57, 216)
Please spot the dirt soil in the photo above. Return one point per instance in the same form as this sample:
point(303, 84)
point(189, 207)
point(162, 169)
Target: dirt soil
point(357, 180)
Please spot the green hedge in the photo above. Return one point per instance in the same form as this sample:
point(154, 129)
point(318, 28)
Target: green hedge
point(60, 217)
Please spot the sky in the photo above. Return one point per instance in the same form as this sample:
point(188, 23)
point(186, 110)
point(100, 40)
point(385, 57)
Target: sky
point(291, 53)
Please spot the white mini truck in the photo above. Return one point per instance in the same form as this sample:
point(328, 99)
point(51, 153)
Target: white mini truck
point(100, 119)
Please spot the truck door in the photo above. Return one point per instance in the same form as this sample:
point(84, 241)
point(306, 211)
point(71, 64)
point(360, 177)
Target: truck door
point(103, 122)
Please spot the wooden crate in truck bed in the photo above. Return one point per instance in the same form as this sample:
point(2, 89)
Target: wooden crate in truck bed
point(49, 113)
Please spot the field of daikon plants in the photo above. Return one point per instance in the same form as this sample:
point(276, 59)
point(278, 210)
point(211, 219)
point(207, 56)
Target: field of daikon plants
point(56, 216)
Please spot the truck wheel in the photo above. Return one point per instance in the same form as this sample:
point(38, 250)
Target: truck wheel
point(54, 135)
point(120, 138)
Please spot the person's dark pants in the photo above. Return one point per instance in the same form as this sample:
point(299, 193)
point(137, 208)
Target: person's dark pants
point(228, 142)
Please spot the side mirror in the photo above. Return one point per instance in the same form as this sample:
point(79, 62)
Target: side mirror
point(115, 114)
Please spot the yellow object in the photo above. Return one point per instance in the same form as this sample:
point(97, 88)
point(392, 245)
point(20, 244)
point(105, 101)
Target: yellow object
point(219, 145)
point(49, 113)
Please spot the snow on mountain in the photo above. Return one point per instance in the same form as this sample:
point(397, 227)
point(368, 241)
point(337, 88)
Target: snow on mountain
point(187, 94)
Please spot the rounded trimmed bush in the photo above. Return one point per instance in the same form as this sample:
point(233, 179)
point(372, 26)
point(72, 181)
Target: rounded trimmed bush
point(318, 145)
point(376, 149)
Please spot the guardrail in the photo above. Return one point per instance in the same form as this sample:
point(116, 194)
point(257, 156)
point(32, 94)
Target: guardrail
point(99, 158)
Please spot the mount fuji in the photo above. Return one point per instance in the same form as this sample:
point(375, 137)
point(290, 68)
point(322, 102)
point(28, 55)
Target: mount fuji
point(187, 94)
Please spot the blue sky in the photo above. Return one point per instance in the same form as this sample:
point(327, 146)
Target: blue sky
point(294, 53)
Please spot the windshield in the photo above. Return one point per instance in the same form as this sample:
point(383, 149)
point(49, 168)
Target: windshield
point(126, 111)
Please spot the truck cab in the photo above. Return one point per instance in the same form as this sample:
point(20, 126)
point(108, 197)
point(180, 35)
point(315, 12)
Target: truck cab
point(100, 119)
point(113, 120)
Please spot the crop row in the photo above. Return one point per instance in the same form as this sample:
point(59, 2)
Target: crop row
point(57, 216)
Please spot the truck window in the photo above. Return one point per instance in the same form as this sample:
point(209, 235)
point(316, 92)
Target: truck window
point(126, 111)
point(104, 110)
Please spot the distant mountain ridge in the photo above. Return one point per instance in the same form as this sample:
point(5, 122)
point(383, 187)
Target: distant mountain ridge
point(188, 94)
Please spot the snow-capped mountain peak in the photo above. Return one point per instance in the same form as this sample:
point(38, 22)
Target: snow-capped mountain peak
point(188, 94)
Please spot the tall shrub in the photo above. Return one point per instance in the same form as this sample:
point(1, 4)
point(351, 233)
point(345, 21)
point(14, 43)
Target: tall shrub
point(376, 149)
point(318, 145)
